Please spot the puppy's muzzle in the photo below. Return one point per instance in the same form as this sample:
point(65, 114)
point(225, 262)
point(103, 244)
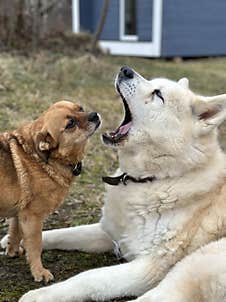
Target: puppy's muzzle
point(125, 73)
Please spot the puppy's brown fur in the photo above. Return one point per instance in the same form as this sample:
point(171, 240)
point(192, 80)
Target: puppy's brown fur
point(36, 164)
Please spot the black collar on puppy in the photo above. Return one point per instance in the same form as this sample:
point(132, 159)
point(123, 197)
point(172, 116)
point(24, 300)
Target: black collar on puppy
point(77, 169)
point(124, 178)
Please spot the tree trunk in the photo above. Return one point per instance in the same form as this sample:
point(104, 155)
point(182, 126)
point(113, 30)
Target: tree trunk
point(24, 20)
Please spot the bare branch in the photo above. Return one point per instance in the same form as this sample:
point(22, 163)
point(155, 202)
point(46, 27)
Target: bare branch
point(100, 26)
point(48, 8)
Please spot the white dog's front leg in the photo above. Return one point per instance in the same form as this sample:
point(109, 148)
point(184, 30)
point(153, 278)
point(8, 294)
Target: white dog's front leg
point(129, 279)
point(87, 238)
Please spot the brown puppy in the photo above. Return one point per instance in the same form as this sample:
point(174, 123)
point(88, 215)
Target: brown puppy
point(38, 163)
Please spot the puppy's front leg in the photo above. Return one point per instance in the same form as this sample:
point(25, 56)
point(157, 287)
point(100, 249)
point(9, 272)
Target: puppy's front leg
point(13, 247)
point(31, 227)
point(129, 279)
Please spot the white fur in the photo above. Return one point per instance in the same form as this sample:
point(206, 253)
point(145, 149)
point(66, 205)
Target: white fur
point(4, 242)
point(199, 277)
point(155, 224)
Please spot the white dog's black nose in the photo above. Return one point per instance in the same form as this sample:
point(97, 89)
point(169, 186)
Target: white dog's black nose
point(126, 73)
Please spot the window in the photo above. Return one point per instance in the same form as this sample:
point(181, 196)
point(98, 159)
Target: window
point(128, 20)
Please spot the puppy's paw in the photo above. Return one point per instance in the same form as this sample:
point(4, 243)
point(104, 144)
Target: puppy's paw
point(11, 249)
point(14, 250)
point(4, 242)
point(42, 274)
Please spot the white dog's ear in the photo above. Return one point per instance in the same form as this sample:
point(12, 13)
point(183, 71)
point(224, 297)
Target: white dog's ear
point(210, 111)
point(184, 82)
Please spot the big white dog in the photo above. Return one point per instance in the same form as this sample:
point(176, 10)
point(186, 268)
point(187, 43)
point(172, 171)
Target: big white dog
point(167, 199)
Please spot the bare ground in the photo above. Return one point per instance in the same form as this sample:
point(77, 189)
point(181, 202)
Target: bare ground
point(28, 85)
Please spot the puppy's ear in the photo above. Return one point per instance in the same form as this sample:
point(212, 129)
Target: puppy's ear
point(184, 82)
point(210, 112)
point(44, 143)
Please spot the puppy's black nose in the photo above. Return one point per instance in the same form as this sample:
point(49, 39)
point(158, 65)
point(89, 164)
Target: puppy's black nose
point(126, 72)
point(93, 117)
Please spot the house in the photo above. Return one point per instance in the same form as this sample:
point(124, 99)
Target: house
point(156, 28)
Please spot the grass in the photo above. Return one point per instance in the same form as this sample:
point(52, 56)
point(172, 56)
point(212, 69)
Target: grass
point(28, 85)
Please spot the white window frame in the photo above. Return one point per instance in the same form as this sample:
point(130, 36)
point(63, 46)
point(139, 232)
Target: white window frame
point(75, 16)
point(135, 48)
point(123, 36)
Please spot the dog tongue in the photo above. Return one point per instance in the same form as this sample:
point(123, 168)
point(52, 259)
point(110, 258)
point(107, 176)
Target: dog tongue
point(125, 128)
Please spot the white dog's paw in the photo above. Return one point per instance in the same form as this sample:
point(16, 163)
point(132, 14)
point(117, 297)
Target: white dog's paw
point(37, 295)
point(4, 242)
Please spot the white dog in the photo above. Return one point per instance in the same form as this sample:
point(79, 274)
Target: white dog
point(165, 202)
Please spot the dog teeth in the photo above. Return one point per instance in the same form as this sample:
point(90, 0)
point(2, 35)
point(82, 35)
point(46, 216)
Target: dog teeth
point(112, 135)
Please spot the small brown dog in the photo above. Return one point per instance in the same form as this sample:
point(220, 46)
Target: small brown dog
point(38, 163)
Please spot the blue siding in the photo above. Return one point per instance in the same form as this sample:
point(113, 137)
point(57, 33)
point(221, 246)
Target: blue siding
point(111, 27)
point(86, 15)
point(194, 28)
point(144, 19)
point(90, 12)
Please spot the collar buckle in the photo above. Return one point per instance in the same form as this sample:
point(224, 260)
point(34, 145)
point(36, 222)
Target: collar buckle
point(125, 179)
point(77, 169)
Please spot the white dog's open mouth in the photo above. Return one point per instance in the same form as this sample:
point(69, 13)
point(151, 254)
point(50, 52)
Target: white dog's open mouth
point(117, 136)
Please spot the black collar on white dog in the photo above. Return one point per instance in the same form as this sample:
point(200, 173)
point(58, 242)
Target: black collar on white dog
point(125, 178)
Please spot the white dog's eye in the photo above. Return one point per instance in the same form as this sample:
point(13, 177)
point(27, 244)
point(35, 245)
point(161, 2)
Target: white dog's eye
point(158, 93)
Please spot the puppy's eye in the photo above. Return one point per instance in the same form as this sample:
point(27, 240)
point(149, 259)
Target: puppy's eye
point(159, 94)
point(81, 109)
point(71, 123)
